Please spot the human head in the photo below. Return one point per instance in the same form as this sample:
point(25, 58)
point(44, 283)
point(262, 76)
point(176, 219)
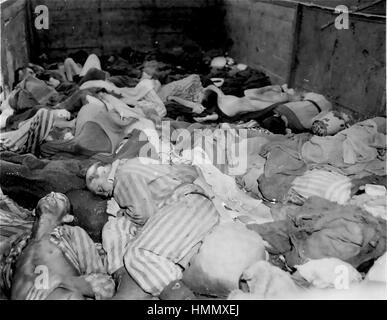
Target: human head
point(275, 124)
point(97, 179)
point(55, 204)
point(21, 74)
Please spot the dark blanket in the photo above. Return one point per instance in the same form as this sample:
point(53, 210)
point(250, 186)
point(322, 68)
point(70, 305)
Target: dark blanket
point(26, 179)
point(235, 83)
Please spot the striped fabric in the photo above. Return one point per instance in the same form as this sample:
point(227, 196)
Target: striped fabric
point(168, 236)
point(35, 131)
point(11, 227)
point(142, 188)
point(14, 222)
point(15, 230)
point(329, 185)
point(7, 265)
point(79, 249)
point(172, 216)
point(189, 88)
point(116, 234)
point(39, 129)
point(9, 205)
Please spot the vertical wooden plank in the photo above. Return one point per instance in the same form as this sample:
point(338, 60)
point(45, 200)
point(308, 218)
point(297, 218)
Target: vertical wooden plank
point(296, 42)
point(262, 33)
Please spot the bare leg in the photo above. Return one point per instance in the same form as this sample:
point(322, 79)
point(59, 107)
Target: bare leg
point(71, 69)
point(91, 62)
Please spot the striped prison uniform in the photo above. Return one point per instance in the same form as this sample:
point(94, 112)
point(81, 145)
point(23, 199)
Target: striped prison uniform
point(172, 216)
point(39, 127)
point(79, 249)
point(14, 222)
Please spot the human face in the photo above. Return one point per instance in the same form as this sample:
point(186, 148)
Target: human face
point(98, 177)
point(55, 203)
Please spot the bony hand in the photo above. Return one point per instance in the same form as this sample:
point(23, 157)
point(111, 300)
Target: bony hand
point(102, 285)
point(112, 207)
point(41, 290)
point(9, 143)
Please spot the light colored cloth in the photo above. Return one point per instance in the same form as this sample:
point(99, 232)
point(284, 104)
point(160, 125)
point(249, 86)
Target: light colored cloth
point(143, 95)
point(33, 133)
point(151, 101)
point(329, 185)
point(190, 89)
point(226, 148)
point(264, 281)
point(225, 253)
point(113, 103)
point(361, 142)
point(378, 272)
point(232, 105)
point(229, 149)
point(329, 272)
point(225, 192)
point(374, 200)
point(5, 114)
point(110, 122)
point(352, 150)
point(153, 258)
point(31, 88)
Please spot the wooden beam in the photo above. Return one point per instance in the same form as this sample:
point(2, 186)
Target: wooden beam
point(296, 37)
point(361, 8)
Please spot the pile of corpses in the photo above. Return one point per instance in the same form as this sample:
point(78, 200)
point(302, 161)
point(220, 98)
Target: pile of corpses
point(141, 179)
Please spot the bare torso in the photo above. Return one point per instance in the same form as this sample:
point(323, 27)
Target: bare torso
point(43, 253)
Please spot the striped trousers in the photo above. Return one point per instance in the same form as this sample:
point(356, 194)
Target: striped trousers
point(152, 259)
point(34, 132)
point(152, 255)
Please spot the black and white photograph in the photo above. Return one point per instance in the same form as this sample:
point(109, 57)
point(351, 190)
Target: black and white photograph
point(200, 151)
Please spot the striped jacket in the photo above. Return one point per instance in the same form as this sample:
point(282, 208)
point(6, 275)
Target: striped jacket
point(141, 189)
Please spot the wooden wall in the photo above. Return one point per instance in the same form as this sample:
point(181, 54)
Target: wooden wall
point(14, 39)
point(284, 38)
point(107, 26)
point(348, 66)
point(262, 35)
